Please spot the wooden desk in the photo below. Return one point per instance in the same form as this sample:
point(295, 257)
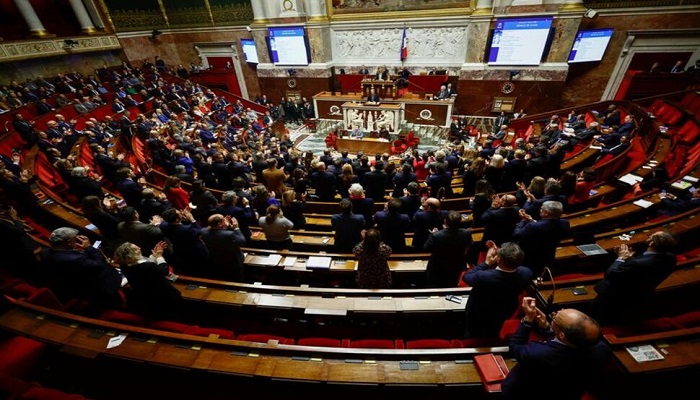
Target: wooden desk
point(88, 338)
point(385, 89)
point(367, 145)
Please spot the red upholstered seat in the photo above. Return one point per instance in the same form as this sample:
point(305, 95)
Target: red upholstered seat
point(483, 342)
point(373, 344)
point(123, 317)
point(655, 325)
point(397, 147)
point(264, 338)
point(169, 326)
point(19, 355)
point(199, 331)
point(688, 320)
point(433, 344)
point(319, 342)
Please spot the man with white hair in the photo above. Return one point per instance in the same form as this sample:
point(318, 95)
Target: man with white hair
point(73, 268)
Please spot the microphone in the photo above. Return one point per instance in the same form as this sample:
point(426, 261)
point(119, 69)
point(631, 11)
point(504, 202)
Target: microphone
point(550, 299)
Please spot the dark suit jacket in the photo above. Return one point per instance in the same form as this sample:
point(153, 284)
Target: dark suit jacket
point(539, 241)
point(374, 183)
point(393, 229)
point(493, 299)
point(423, 224)
point(146, 236)
point(568, 370)
point(373, 98)
point(81, 274)
point(448, 248)
point(628, 286)
point(150, 291)
point(409, 205)
point(347, 230)
point(187, 246)
point(499, 224)
point(225, 255)
point(324, 183)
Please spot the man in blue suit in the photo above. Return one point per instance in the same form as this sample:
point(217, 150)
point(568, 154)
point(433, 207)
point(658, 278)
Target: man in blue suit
point(539, 239)
point(561, 368)
point(224, 239)
point(628, 286)
point(347, 227)
point(496, 285)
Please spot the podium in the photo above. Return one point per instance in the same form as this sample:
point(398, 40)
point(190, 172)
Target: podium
point(370, 116)
point(385, 89)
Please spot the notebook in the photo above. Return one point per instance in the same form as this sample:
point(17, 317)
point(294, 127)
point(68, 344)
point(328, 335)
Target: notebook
point(318, 262)
point(591, 249)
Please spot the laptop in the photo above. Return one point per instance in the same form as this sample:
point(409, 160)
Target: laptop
point(585, 241)
point(591, 249)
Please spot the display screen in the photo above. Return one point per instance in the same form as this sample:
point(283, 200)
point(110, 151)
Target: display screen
point(590, 45)
point(249, 51)
point(288, 46)
point(519, 41)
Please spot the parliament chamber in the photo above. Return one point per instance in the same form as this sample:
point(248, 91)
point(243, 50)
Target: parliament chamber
point(108, 89)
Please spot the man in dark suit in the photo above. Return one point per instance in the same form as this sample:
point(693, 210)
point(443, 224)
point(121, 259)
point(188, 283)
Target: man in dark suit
point(617, 149)
point(573, 359)
point(130, 190)
point(347, 227)
point(500, 220)
point(224, 239)
point(552, 192)
point(185, 235)
point(393, 225)
point(429, 217)
point(373, 96)
point(448, 248)
point(496, 285)
point(375, 181)
point(629, 283)
point(501, 120)
point(73, 268)
point(144, 235)
point(363, 71)
point(411, 200)
point(539, 239)
point(245, 215)
point(442, 94)
point(323, 182)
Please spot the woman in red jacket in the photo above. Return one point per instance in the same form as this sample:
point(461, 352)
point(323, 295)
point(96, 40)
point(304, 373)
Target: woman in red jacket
point(177, 196)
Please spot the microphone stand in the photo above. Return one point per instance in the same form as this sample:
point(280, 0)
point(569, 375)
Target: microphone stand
point(549, 302)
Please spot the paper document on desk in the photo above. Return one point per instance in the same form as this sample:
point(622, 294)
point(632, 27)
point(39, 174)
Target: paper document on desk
point(318, 262)
point(644, 353)
point(643, 203)
point(630, 179)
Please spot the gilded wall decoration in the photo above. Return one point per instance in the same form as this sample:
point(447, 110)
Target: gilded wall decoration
point(340, 7)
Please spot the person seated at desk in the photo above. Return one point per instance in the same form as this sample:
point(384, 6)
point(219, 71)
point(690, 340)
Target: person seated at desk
point(363, 71)
point(356, 122)
point(443, 94)
point(382, 74)
point(373, 97)
point(673, 205)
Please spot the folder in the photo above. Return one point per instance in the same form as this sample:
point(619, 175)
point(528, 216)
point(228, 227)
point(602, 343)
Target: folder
point(492, 370)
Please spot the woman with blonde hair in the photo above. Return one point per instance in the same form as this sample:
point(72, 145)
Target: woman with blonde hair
point(293, 209)
point(346, 179)
point(276, 228)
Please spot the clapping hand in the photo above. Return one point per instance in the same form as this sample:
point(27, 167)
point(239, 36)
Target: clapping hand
point(159, 248)
point(525, 216)
point(624, 252)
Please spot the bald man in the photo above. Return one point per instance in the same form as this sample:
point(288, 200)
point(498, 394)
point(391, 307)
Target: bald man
point(500, 219)
point(425, 220)
point(560, 368)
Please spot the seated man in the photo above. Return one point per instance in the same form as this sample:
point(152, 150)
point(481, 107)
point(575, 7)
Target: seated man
point(356, 122)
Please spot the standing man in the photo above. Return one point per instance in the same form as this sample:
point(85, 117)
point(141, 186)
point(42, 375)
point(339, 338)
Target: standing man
point(347, 228)
point(496, 285)
point(448, 249)
point(501, 120)
point(224, 239)
point(539, 239)
point(628, 286)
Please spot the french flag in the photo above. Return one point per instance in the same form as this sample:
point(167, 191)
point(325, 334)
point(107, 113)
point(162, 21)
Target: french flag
point(404, 46)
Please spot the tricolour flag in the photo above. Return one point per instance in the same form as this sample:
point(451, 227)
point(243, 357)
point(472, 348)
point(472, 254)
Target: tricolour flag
point(404, 46)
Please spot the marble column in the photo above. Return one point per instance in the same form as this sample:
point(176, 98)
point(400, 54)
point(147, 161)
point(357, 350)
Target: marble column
point(484, 7)
point(315, 9)
point(259, 15)
point(83, 17)
point(35, 26)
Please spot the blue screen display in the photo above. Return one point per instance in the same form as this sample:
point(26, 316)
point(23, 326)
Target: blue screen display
point(590, 45)
point(288, 46)
point(519, 41)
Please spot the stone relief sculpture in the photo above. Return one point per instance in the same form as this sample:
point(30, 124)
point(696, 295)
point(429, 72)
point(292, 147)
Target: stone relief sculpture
point(445, 44)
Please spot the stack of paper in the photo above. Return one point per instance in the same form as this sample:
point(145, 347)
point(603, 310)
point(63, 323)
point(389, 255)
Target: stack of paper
point(318, 262)
point(630, 179)
point(644, 353)
point(643, 203)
